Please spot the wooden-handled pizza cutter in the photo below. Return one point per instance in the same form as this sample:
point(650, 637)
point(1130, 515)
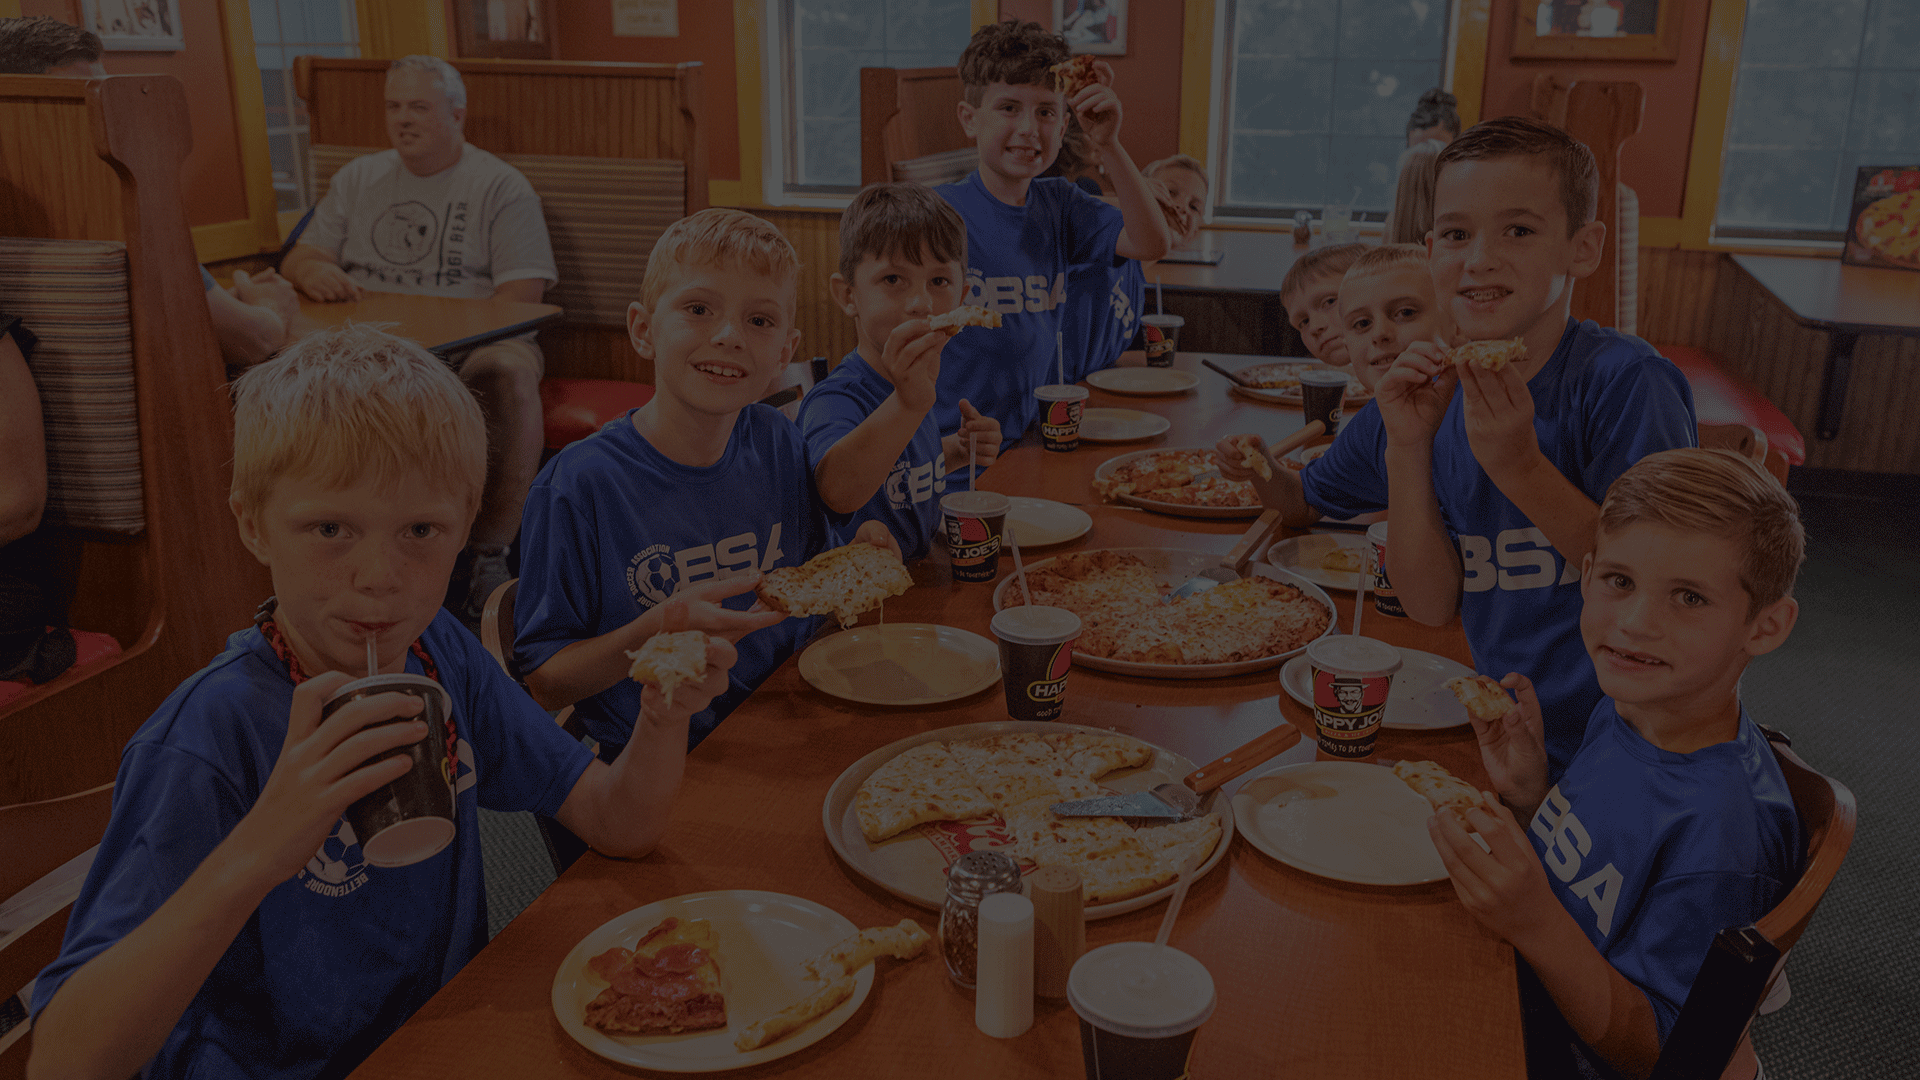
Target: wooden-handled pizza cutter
point(1234, 566)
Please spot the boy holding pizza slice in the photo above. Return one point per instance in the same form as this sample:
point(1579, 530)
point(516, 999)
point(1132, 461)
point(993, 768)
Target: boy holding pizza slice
point(231, 923)
point(1673, 819)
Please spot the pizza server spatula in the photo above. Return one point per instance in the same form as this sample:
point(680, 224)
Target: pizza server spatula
point(1179, 802)
point(1233, 566)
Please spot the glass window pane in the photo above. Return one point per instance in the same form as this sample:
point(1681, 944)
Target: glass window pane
point(1783, 189)
point(830, 152)
point(1285, 28)
point(929, 26)
point(1278, 170)
point(830, 81)
point(1373, 98)
point(845, 24)
point(1893, 35)
point(1364, 165)
point(1886, 113)
point(1785, 107)
point(1822, 33)
point(1394, 29)
point(1277, 95)
point(266, 20)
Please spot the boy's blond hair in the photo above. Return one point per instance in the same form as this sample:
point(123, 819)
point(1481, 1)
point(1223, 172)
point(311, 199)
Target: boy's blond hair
point(1411, 218)
point(1177, 161)
point(348, 403)
point(1719, 493)
point(717, 236)
point(1319, 263)
point(1387, 257)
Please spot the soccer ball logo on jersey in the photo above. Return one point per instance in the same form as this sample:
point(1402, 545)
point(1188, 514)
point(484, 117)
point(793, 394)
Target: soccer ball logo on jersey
point(337, 868)
point(657, 572)
point(405, 233)
point(908, 484)
point(652, 575)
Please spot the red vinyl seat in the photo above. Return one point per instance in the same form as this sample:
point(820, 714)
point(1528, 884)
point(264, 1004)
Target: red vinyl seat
point(572, 409)
point(88, 648)
point(1721, 398)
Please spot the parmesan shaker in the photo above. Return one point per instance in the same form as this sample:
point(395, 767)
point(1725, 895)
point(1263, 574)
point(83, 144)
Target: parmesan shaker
point(1059, 928)
point(975, 875)
point(1003, 1001)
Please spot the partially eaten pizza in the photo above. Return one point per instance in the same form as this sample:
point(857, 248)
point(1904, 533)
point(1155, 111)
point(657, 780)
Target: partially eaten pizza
point(669, 981)
point(844, 582)
point(1179, 478)
point(1432, 781)
point(667, 660)
point(1482, 695)
point(966, 315)
point(831, 973)
point(1253, 456)
point(1074, 74)
point(1890, 227)
point(1491, 355)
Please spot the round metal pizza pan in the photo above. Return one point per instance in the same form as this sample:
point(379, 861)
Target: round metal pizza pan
point(1173, 567)
point(911, 868)
point(1216, 513)
point(1288, 395)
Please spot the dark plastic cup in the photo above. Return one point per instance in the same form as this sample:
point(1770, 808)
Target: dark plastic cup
point(1322, 392)
point(1160, 338)
point(1060, 409)
point(1385, 600)
point(1140, 1006)
point(974, 521)
point(410, 819)
point(1036, 649)
point(1351, 679)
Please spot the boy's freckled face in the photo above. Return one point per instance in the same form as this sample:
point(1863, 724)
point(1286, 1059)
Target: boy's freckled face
point(717, 336)
point(358, 562)
point(1665, 616)
point(1187, 190)
point(1017, 129)
point(889, 290)
point(1384, 312)
point(1315, 312)
point(1502, 258)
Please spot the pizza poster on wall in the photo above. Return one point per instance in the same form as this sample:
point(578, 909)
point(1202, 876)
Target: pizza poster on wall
point(1884, 229)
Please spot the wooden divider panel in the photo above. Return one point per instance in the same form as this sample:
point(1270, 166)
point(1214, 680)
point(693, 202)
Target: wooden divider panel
point(907, 113)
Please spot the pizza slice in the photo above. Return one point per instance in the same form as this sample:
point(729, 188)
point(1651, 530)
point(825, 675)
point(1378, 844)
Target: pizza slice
point(1344, 560)
point(966, 315)
point(1013, 770)
point(1483, 696)
point(1173, 843)
point(1093, 756)
point(923, 784)
point(903, 941)
point(1252, 457)
point(667, 660)
point(1074, 74)
point(795, 1016)
point(669, 981)
point(1491, 355)
point(844, 582)
point(1432, 781)
point(1125, 871)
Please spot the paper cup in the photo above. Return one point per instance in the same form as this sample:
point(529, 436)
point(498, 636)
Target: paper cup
point(1140, 1007)
point(973, 521)
point(1351, 677)
point(1160, 338)
point(1036, 649)
point(1385, 600)
point(1060, 408)
point(1322, 391)
point(411, 818)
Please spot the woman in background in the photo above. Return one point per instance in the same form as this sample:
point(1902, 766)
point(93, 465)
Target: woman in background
point(1437, 116)
point(1412, 215)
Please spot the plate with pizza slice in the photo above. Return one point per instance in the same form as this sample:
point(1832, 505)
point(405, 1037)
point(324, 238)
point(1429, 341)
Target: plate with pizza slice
point(1345, 820)
point(1418, 700)
point(1278, 381)
point(1331, 560)
point(629, 983)
point(905, 812)
point(1179, 481)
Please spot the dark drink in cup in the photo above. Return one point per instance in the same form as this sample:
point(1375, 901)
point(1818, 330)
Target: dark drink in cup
point(973, 521)
point(1351, 678)
point(1036, 649)
point(1160, 338)
point(1140, 1006)
point(1385, 600)
point(411, 818)
point(1060, 408)
point(1322, 391)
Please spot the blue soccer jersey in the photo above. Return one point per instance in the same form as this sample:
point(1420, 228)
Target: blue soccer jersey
point(1603, 401)
point(1102, 314)
point(908, 503)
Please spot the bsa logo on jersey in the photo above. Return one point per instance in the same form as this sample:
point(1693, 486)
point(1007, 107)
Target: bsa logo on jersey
point(909, 485)
point(1013, 294)
point(655, 573)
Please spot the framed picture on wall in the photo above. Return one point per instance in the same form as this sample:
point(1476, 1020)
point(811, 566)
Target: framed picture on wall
point(130, 25)
point(504, 29)
point(1597, 29)
point(1884, 229)
point(1092, 26)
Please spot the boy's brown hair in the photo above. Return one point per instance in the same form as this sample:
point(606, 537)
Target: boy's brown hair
point(1388, 256)
point(716, 235)
point(1517, 136)
point(1319, 263)
point(1719, 493)
point(37, 44)
point(1012, 52)
point(902, 220)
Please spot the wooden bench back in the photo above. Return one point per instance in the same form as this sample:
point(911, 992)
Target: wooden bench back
point(40, 838)
point(1602, 115)
point(908, 114)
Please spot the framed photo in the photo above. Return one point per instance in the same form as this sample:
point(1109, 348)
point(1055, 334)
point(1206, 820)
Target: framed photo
point(503, 29)
point(1597, 29)
point(1883, 228)
point(1092, 26)
point(129, 25)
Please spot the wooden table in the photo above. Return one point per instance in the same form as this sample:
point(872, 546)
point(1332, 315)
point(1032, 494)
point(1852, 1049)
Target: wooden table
point(1315, 978)
point(445, 325)
point(1846, 301)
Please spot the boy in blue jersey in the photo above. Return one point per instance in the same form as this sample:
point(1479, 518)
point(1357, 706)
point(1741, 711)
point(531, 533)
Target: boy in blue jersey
point(1673, 821)
point(692, 496)
point(875, 450)
point(1493, 478)
point(1024, 234)
point(230, 924)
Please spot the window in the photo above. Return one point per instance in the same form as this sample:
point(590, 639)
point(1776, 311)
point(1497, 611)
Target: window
point(1823, 87)
point(1318, 94)
point(829, 41)
point(282, 30)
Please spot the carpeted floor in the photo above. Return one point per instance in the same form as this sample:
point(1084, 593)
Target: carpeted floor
point(1846, 687)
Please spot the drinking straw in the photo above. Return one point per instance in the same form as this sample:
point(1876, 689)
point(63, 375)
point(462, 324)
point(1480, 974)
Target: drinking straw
point(971, 437)
point(1173, 906)
point(1060, 353)
point(1159, 298)
point(373, 659)
point(1019, 568)
point(1360, 594)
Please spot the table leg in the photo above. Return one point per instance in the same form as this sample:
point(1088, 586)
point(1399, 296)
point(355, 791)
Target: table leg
point(1833, 384)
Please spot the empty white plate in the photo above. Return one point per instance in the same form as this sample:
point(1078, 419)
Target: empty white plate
point(1345, 820)
point(1143, 380)
point(1121, 425)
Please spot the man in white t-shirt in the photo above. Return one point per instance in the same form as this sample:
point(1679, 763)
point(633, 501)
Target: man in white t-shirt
point(435, 216)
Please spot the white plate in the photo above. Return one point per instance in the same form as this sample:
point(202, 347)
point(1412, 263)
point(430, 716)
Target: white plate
point(1143, 380)
point(1345, 820)
point(1302, 555)
point(1227, 513)
point(1121, 425)
point(904, 664)
point(1040, 522)
point(1356, 393)
point(764, 938)
point(1419, 699)
point(911, 868)
point(1171, 568)
point(1305, 454)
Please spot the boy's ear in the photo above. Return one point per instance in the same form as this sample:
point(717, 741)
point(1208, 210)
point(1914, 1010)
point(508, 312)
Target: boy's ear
point(250, 533)
point(793, 346)
point(1769, 629)
point(640, 329)
point(1589, 243)
point(841, 290)
point(966, 118)
point(1586, 574)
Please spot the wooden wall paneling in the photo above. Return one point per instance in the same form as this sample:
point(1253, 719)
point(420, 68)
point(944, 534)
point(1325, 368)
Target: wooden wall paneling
point(907, 113)
point(581, 351)
point(1676, 294)
point(825, 330)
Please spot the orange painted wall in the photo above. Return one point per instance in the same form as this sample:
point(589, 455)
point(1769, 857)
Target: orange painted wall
point(214, 186)
point(1147, 77)
point(583, 29)
point(1654, 162)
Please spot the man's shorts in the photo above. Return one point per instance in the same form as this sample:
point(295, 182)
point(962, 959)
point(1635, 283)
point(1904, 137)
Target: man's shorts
point(522, 350)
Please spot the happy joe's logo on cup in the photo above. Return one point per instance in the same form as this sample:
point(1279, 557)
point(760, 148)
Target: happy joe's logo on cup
point(1060, 421)
point(971, 540)
point(1347, 710)
point(1050, 689)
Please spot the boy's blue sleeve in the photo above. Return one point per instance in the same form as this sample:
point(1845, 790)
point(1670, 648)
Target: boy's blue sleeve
point(1093, 228)
point(1674, 928)
point(1350, 479)
point(827, 415)
point(558, 602)
point(1645, 408)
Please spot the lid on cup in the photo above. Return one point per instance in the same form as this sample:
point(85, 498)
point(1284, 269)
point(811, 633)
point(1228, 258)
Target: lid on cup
point(399, 680)
point(1140, 990)
point(1323, 376)
point(1377, 532)
point(1166, 319)
point(986, 503)
point(1344, 654)
point(1059, 392)
point(1035, 624)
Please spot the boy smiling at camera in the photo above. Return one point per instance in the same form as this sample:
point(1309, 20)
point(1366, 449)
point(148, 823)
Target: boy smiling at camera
point(1673, 819)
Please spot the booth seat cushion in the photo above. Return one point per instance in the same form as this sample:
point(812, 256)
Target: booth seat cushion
point(88, 648)
point(573, 409)
point(1719, 397)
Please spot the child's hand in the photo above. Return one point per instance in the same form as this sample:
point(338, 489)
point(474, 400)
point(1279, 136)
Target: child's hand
point(1504, 887)
point(323, 767)
point(1230, 456)
point(701, 609)
point(1514, 747)
point(1099, 107)
point(879, 536)
point(1414, 393)
point(986, 439)
point(689, 698)
point(910, 360)
point(1499, 417)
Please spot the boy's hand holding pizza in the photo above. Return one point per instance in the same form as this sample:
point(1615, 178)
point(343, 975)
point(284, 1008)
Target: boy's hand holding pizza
point(1499, 422)
point(1504, 887)
point(1414, 393)
point(875, 533)
point(1513, 746)
point(1098, 107)
point(703, 611)
point(910, 361)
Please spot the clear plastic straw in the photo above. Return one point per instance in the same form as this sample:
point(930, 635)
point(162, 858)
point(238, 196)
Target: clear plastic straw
point(972, 442)
point(1019, 568)
point(1060, 353)
point(1360, 594)
point(373, 660)
point(1173, 906)
point(1159, 298)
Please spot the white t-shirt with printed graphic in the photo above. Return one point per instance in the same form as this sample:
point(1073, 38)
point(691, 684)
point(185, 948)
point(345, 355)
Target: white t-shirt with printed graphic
point(461, 232)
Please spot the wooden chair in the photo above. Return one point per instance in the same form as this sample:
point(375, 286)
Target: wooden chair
point(1744, 961)
point(1747, 441)
point(99, 159)
point(910, 126)
point(40, 838)
point(496, 633)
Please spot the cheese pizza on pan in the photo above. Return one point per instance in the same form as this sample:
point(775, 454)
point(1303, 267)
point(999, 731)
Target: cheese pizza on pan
point(1180, 477)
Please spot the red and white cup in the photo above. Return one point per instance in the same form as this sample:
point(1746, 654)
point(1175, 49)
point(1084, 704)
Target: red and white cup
point(973, 521)
point(1036, 649)
point(1060, 409)
point(1351, 679)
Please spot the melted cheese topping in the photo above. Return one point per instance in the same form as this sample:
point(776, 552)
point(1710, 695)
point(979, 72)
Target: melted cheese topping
point(844, 582)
